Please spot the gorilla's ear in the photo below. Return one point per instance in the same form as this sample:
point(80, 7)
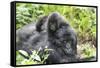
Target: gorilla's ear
point(53, 22)
point(40, 23)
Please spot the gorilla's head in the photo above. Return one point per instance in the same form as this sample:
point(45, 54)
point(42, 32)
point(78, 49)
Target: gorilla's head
point(54, 21)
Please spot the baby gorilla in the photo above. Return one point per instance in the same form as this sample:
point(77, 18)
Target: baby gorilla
point(51, 32)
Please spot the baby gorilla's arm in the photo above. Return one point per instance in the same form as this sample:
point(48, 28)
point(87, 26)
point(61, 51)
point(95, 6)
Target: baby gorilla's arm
point(40, 25)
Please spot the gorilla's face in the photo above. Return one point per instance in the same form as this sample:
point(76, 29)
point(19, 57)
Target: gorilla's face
point(62, 36)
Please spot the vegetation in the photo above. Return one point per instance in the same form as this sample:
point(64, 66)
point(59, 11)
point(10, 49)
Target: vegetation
point(36, 58)
point(82, 19)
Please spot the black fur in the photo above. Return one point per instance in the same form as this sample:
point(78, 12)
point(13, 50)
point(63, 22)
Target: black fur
point(51, 32)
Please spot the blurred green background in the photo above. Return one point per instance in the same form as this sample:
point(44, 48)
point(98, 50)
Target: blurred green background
point(82, 19)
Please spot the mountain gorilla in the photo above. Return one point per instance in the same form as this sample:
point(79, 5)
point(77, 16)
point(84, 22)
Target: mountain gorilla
point(52, 32)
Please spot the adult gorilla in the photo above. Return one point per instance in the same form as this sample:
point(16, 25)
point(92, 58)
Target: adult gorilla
point(52, 32)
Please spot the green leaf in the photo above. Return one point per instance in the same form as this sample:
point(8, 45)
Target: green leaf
point(23, 52)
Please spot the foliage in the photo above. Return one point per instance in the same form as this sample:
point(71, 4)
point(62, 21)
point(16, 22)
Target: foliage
point(36, 58)
point(86, 50)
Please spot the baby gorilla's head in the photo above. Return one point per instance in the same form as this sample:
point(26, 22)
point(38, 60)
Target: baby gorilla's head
point(54, 21)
